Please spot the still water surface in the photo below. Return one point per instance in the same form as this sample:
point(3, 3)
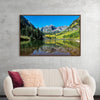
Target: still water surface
point(50, 47)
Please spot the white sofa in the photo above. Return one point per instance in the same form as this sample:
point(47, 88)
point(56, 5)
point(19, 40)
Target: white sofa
point(54, 89)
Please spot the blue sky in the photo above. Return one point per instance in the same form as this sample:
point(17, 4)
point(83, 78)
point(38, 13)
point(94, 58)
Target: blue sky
point(40, 21)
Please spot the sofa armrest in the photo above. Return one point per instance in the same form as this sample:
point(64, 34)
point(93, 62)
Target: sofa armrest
point(88, 80)
point(8, 87)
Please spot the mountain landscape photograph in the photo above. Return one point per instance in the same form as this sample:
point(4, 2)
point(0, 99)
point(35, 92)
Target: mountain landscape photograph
point(50, 35)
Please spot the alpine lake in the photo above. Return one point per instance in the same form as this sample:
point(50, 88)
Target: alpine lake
point(50, 47)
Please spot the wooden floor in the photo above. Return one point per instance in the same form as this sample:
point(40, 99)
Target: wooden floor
point(3, 98)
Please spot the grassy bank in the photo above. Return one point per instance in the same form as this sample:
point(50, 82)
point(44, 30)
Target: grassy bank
point(24, 38)
point(74, 34)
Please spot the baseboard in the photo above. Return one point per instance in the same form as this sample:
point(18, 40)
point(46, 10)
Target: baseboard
point(95, 96)
point(2, 96)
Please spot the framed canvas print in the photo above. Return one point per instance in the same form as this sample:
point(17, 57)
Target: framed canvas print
point(50, 35)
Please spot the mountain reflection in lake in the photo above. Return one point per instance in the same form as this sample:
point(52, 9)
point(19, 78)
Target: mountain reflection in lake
point(50, 47)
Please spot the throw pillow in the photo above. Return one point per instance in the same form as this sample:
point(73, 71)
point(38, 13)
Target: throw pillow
point(32, 78)
point(16, 79)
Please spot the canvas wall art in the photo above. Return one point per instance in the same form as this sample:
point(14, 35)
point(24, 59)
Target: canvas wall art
point(50, 35)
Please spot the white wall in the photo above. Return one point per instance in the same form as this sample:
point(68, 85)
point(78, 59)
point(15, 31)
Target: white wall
point(90, 35)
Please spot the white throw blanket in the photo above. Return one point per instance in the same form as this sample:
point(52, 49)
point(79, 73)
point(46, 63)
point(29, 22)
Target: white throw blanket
point(72, 80)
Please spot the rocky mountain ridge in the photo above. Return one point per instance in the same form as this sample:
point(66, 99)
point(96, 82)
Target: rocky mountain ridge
point(53, 29)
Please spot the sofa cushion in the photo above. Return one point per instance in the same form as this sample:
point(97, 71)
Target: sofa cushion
point(22, 91)
point(70, 92)
point(52, 77)
point(50, 91)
